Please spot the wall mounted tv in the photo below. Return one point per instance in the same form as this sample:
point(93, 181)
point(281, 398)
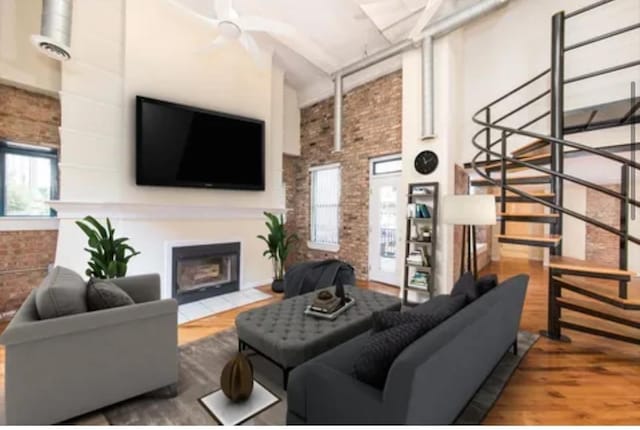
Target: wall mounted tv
point(183, 146)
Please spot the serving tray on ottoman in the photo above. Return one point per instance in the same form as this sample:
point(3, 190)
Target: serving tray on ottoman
point(282, 333)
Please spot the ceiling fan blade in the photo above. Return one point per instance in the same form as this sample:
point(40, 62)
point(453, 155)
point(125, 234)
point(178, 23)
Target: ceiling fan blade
point(253, 49)
point(427, 15)
point(204, 19)
point(223, 9)
point(214, 44)
point(258, 23)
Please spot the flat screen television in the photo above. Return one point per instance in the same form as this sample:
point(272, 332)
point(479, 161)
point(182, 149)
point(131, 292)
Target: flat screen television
point(183, 146)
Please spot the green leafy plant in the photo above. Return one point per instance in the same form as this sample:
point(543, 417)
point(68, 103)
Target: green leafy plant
point(279, 244)
point(109, 255)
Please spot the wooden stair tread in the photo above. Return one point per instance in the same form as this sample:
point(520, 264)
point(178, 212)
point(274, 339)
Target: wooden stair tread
point(590, 322)
point(528, 215)
point(518, 180)
point(601, 307)
point(529, 147)
point(569, 263)
point(535, 159)
point(551, 238)
point(604, 288)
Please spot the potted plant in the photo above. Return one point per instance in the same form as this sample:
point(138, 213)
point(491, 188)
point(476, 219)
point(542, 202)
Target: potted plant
point(109, 255)
point(279, 244)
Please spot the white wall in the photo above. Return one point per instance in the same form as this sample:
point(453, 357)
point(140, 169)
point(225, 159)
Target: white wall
point(152, 48)
point(20, 63)
point(512, 45)
point(291, 118)
point(447, 67)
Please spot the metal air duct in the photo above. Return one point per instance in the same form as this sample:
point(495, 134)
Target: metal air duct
point(54, 39)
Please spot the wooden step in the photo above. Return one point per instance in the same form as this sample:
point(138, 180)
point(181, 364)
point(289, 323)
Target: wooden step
point(544, 218)
point(514, 198)
point(579, 267)
point(536, 160)
point(600, 290)
point(522, 180)
point(550, 241)
point(530, 147)
point(600, 310)
point(599, 327)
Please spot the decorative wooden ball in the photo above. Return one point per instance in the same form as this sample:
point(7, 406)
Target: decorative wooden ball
point(237, 378)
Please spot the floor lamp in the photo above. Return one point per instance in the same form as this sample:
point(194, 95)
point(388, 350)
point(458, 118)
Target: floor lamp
point(469, 211)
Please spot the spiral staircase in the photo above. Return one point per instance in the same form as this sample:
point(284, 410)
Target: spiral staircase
point(584, 296)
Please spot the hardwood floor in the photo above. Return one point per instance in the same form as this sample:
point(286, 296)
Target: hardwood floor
point(591, 380)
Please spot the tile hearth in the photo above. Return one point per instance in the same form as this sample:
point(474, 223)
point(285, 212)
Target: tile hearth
point(214, 305)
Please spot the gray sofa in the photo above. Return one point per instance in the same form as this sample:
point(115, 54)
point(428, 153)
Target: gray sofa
point(430, 382)
point(60, 368)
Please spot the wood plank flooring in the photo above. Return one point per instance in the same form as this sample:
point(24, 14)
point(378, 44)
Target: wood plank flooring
point(591, 380)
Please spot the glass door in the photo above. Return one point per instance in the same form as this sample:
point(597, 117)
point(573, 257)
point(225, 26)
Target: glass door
point(384, 220)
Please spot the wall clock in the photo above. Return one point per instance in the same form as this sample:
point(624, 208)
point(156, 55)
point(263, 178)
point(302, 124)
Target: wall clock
point(426, 162)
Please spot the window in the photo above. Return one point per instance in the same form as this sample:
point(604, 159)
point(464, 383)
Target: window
point(389, 165)
point(28, 178)
point(325, 207)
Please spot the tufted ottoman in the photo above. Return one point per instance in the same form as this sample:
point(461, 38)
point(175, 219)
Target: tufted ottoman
point(282, 333)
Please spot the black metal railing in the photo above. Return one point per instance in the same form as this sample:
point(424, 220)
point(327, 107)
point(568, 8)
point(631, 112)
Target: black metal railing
point(488, 148)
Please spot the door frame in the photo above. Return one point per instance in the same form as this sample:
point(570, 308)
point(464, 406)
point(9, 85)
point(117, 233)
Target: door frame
point(371, 251)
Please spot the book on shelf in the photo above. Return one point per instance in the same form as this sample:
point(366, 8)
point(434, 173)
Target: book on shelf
point(418, 211)
point(419, 280)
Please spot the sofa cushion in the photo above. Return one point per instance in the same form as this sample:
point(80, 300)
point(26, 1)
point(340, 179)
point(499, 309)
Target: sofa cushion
point(62, 292)
point(382, 348)
point(103, 294)
point(441, 307)
point(466, 286)
point(486, 283)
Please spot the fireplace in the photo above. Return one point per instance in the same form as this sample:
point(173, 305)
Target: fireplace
point(204, 271)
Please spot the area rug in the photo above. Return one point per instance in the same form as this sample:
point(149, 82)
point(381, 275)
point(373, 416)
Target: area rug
point(201, 363)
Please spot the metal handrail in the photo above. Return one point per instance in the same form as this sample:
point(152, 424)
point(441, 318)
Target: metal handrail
point(602, 72)
point(587, 8)
point(602, 37)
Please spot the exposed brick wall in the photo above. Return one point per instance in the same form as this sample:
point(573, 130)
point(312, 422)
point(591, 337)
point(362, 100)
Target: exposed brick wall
point(372, 127)
point(32, 118)
point(27, 117)
point(24, 257)
point(601, 246)
point(290, 166)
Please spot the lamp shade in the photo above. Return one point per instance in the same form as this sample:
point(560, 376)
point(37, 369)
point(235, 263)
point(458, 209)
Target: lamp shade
point(469, 209)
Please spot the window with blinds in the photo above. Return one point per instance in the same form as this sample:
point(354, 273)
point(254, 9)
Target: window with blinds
point(325, 205)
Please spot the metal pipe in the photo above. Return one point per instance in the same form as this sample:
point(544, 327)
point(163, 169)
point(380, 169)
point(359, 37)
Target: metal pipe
point(456, 20)
point(54, 39)
point(430, 33)
point(337, 113)
point(557, 116)
point(428, 121)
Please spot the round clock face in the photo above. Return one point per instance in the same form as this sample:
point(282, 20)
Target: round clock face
point(426, 162)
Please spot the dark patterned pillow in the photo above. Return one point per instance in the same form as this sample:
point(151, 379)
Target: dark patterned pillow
point(486, 283)
point(382, 348)
point(441, 307)
point(105, 295)
point(466, 286)
point(383, 320)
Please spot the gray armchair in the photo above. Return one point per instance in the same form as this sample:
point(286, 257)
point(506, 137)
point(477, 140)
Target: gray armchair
point(60, 368)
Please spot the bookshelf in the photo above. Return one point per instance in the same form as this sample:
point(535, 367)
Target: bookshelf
point(421, 239)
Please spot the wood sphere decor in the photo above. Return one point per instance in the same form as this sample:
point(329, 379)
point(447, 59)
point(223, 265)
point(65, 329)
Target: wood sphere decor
point(237, 378)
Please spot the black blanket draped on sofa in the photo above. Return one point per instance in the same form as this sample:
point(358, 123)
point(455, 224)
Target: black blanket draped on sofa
point(310, 276)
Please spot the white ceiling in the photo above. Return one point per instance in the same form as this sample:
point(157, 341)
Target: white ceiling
point(346, 30)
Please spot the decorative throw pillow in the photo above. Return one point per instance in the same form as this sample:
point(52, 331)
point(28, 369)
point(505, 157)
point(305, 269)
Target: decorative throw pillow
point(383, 320)
point(382, 348)
point(441, 307)
point(105, 295)
point(466, 286)
point(486, 283)
point(63, 292)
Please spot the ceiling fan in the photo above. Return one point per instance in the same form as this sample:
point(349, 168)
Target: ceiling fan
point(233, 27)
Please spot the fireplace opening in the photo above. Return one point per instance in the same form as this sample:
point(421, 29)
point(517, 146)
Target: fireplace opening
point(204, 271)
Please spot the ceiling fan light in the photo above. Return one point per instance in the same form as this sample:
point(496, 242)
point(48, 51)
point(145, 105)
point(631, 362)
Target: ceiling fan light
point(229, 30)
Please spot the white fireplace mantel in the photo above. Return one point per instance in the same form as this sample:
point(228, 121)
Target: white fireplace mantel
point(144, 211)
